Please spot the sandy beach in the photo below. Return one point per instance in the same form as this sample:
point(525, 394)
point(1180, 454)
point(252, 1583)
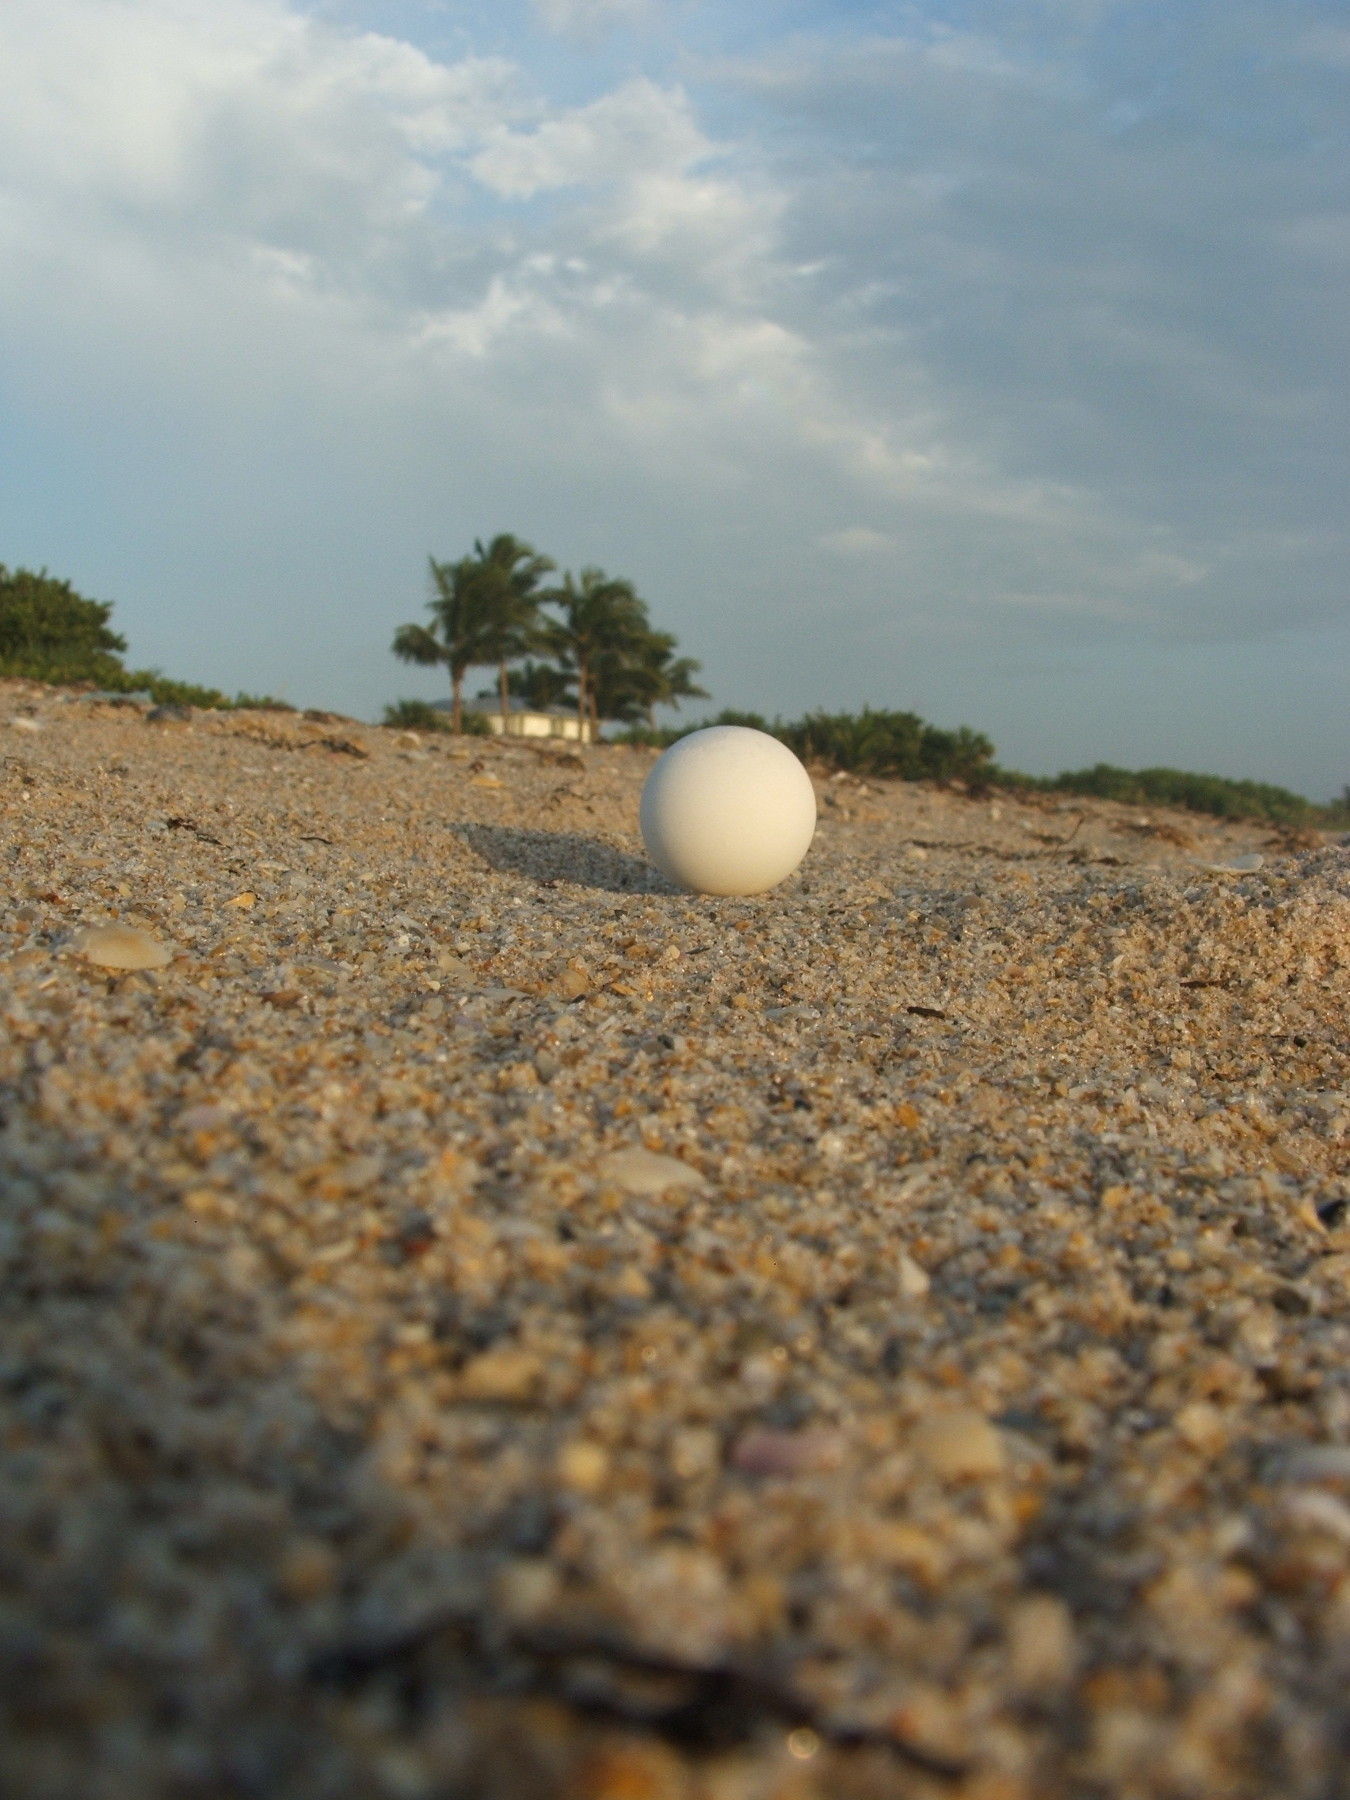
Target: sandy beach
point(479, 1323)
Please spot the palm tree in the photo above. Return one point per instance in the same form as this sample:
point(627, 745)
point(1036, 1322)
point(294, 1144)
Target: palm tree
point(507, 574)
point(666, 678)
point(601, 623)
point(540, 685)
point(461, 631)
point(631, 680)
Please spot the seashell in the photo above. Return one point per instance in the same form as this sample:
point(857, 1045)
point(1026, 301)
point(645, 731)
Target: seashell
point(122, 947)
point(640, 1171)
point(1240, 865)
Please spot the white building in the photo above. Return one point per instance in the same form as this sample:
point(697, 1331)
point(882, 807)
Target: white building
point(527, 721)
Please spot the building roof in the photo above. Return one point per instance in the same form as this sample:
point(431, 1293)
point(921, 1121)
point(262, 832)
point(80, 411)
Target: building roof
point(513, 705)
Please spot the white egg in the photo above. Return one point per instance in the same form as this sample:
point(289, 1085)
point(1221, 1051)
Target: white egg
point(728, 810)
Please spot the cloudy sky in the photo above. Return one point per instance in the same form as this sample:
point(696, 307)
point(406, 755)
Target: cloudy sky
point(985, 359)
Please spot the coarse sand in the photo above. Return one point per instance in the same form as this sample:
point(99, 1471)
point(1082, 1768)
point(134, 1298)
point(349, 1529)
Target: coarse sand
point(478, 1324)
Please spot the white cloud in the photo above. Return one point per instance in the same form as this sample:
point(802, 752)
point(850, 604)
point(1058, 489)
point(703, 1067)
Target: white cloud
point(638, 130)
point(979, 331)
point(330, 175)
point(700, 222)
point(516, 305)
point(246, 118)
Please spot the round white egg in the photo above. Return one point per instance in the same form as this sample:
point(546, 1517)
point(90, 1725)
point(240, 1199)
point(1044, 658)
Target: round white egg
point(728, 810)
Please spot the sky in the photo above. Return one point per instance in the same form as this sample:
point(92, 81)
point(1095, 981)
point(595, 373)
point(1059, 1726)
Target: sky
point(984, 359)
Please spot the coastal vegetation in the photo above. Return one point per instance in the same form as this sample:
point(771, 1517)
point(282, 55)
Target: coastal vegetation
point(873, 742)
point(50, 633)
point(421, 715)
point(588, 644)
point(484, 611)
point(902, 746)
point(1214, 794)
point(603, 658)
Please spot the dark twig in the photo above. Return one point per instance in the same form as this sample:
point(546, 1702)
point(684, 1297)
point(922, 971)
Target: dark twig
point(183, 824)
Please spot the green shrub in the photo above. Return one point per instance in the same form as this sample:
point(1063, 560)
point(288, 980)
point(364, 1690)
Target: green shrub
point(421, 715)
point(260, 703)
point(415, 715)
point(48, 632)
point(897, 744)
point(164, 691)
point(1214, 794)
point(872, 742)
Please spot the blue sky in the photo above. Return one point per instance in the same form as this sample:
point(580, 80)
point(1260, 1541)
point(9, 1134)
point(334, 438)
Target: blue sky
point(984, 360)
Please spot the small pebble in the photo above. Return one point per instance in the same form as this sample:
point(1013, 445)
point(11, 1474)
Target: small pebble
point(1319, 1462)
point(1041, 1645)
point(583, 1465)
point(506, 1374)
point(914, 1281)
point(787, 1453)
point(959, 1444)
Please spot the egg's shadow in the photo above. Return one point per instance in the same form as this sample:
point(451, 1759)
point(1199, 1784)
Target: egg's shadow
point(551, 856)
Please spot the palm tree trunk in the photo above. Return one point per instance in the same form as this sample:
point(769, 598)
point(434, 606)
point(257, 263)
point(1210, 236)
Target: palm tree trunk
point(502, 690)
point(583, 698)
point(456, 701)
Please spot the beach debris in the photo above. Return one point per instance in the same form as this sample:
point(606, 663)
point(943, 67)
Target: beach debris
point(768, 1453)
point(505, 1374)
point(180, 822)
point(563, 759)
point(638, 1171)
point(1042, 1650)
point(1164, 830)
point(22, 723)
point(1238, 865)
point(914, 1281)
point(1314, 1510)
point(583, 1465)
point(1318, 1463)
point(575, 980)
point(284, 999)
point(959, 1444)
point(340, 746)
point(1201, 1425)
point(122, 947)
